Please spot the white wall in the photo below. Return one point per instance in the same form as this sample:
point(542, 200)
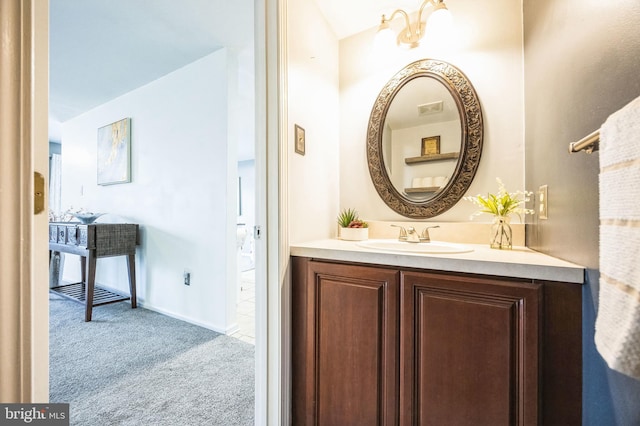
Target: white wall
point(486, 44)
point(182, 191)
point(313, 104)
point(407, 143)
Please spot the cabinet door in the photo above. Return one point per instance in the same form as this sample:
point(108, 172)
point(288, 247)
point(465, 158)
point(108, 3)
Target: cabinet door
point(345, 344)
point(469, 351)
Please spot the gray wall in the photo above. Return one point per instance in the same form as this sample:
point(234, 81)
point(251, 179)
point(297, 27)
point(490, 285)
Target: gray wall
point(582, 63)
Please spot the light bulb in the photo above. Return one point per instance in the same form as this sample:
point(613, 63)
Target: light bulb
point(439, 22)
point(385, 38)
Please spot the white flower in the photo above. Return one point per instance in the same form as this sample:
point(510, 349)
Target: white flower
point(503, 204)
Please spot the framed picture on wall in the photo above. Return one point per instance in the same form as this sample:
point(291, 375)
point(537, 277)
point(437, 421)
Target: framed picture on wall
point(299, 139)
point(430, 145)
point(114, 153)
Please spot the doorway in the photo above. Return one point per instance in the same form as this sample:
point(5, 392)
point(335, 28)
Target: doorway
point(31, 367)
point(83, 193)
point(246, 306)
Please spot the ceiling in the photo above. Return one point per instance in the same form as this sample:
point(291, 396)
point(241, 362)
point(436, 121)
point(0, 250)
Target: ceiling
point(422, 101)
point(101, 49)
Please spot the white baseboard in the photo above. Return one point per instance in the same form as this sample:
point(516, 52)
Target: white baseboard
point(232, 329)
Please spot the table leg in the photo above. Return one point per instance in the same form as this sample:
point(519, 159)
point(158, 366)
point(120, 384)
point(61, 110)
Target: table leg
point(131, 264)
point(55, 268)
point(83, 269)
point(90, 284)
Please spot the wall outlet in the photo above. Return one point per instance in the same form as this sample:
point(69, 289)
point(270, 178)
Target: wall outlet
point(187, 277)
point(543, 202)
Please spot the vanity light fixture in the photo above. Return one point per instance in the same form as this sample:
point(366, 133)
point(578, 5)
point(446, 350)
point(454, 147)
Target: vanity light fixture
point(412, 33)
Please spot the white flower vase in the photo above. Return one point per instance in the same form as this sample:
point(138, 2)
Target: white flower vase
point(353, 234)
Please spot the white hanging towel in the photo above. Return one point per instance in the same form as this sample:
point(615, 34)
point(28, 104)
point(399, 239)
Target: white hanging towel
point(617, 333)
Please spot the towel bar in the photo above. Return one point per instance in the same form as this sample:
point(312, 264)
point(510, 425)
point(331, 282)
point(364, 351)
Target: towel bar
point(587, 144)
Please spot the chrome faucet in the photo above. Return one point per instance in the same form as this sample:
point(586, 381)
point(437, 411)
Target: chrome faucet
point(424, 237)
point(403, 233)
point(410, 234)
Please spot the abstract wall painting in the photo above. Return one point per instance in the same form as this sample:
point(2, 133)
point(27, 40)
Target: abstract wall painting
point(114, 153)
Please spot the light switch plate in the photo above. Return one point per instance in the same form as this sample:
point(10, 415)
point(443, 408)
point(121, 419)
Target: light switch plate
point(543, 202)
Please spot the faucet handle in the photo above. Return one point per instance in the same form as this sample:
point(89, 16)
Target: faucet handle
point(403, 233)
point(424, 237)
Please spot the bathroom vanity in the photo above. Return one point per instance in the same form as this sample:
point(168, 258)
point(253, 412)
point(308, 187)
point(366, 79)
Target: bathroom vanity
point(486, 337)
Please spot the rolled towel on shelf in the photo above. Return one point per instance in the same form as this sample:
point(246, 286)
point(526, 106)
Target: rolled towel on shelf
point(617, 334)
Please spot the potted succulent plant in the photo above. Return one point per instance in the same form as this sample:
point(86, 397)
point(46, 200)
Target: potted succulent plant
point(352, 228)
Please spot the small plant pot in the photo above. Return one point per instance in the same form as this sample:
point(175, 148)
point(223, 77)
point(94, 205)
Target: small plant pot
point(353, 234)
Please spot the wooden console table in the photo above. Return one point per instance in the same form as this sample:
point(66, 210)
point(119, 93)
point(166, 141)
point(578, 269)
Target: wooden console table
point(91, 242)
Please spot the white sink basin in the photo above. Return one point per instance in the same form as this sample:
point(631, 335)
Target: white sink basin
point(433, 247)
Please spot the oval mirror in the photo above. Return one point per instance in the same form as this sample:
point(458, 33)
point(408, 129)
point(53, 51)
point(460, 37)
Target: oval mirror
point(424, 139)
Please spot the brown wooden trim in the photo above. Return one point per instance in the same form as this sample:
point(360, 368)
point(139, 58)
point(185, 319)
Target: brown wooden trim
point(561, 371)
point(432, 157)
point(300, 375)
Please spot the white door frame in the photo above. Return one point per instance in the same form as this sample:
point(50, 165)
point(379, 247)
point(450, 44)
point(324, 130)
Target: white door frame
point(272, 250)
point(24, 265)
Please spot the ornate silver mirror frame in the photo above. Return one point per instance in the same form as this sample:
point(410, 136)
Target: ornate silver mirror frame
point(470, 149)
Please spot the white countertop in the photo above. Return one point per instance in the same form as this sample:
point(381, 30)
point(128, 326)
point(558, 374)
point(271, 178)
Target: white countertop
point(520, 262)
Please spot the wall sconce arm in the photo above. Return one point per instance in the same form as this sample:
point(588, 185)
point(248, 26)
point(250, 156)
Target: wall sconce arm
point(411, 34)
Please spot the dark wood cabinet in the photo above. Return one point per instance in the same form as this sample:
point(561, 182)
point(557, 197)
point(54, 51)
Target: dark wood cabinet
point(374, 345)
point(469, 351)
point(346, 345)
